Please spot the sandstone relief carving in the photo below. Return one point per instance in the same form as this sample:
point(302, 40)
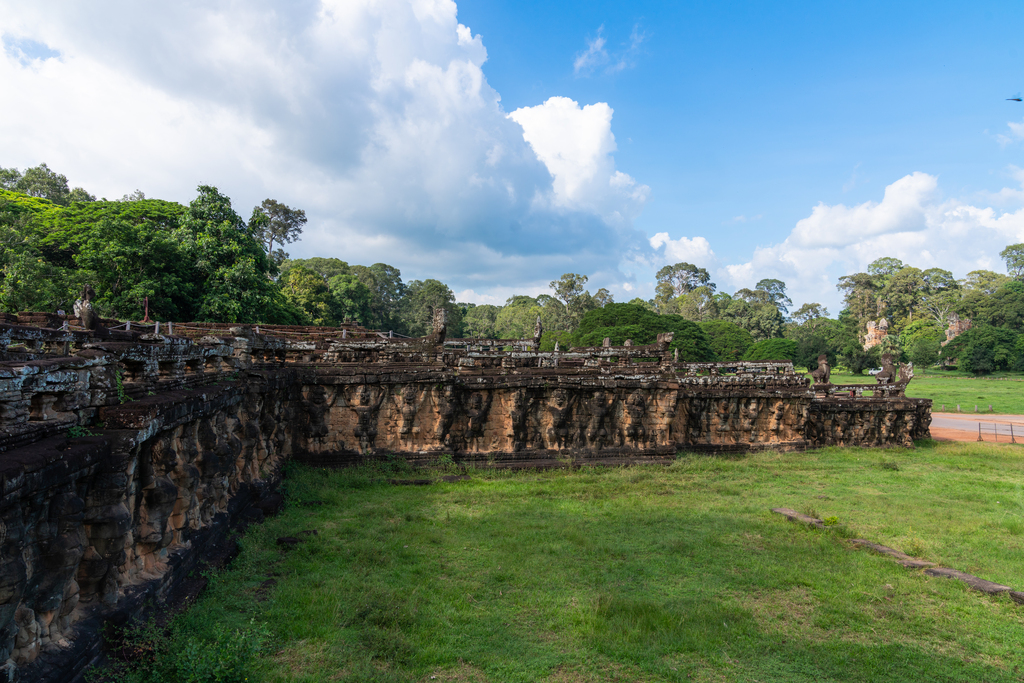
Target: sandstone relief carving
point(215, 416)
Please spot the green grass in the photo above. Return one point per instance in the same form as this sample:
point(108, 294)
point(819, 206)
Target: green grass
point(640, 574)
point(1004, 391)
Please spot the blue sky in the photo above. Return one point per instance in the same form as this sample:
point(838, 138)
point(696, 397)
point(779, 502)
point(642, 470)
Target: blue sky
point(766, 109)
point(495, 145)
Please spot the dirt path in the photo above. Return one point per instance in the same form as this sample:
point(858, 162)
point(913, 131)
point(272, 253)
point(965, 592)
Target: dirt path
point(965, 427)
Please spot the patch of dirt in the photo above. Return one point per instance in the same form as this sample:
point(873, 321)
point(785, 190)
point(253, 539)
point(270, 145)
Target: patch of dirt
point(610, 671)
point(463, 673)
point(753, 541)
point(565, 675)
point(790, 611)
point(263, 591)
point(943, 434)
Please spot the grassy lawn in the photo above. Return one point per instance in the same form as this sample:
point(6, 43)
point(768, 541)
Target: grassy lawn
point(640, 574)
point(1004, 391)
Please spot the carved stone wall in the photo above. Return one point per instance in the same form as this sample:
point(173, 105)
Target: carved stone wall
point(92, 526)
point(178, 439)
point(525, 420)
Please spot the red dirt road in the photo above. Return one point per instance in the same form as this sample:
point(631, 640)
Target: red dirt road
point(964, 427)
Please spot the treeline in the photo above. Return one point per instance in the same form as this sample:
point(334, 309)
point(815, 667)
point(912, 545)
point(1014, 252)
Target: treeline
point(918, 306)
point(205, 262)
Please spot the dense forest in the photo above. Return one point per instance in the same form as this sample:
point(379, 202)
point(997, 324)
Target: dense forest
point(204, 262)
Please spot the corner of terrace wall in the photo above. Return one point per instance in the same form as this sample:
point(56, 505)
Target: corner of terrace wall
point(127, 456)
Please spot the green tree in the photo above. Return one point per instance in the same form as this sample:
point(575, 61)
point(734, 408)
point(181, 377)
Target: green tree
point(938, 279)
point(728, 340)
point(603, 297)
point(902, 296)
point(627, 321)
point(1004, 308)
point(850, 352)
point(308, 292)
point(350, 299)
point(1014, 257)
point(941, 304)
point(78, 194)
point(679, 279)
point(637, 301)
point(9, 178)
point(28, 280)
point(41, 181)
point(984, 348)
point(386, 293)
point(758, 317)
point(127, 251)
point(273, 222)
point(924, 352)
point(231, 266)
point(809, 312)
point(984, 281)
point(814, 334)
point(479, 321)
point(861, 296)
point(772, 349)
point(885, 267)
point(776, 291)
point(325, 267)
point(421, 298)
point(698, 304)
point(569, 289)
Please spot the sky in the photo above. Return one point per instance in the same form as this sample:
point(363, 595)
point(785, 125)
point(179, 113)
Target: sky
point(495, 145)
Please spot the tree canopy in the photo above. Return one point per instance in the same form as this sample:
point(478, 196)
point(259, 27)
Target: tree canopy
point(620, 322)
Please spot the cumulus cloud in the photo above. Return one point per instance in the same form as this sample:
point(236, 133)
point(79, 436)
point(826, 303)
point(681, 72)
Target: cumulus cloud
point(696, 250)
point(373, 115)
point(576, 146)
point(912, 223)
point(901, 209)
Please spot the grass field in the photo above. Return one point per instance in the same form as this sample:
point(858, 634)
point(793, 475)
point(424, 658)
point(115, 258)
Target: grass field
point(1004, 391)
point(638, 574)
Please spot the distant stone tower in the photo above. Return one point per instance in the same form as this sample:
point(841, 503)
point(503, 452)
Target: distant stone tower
point(876, 333)
point(957, 326)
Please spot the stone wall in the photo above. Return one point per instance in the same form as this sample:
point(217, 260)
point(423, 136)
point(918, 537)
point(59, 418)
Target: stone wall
point(523, 419)
point(127, 456)
point(92, 526)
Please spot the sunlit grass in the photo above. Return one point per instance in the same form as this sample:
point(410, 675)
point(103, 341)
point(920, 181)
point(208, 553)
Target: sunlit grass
point(641, 573)
point(1004, 391)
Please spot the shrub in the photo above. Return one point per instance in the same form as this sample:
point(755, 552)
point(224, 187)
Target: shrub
point(924, 352)
point(153, 656)
point(857, 360)
point(772, 349)
point(978, 360)
point(984, 348)
point(620, 322)
point(728, 340)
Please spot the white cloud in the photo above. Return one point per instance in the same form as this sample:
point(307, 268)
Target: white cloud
point(576, 146)
point(695, 250)
point(373, 115)
point(627, 58)
point(911, 223)
point(593, 56)
point(596, 55)
point(901, 209)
